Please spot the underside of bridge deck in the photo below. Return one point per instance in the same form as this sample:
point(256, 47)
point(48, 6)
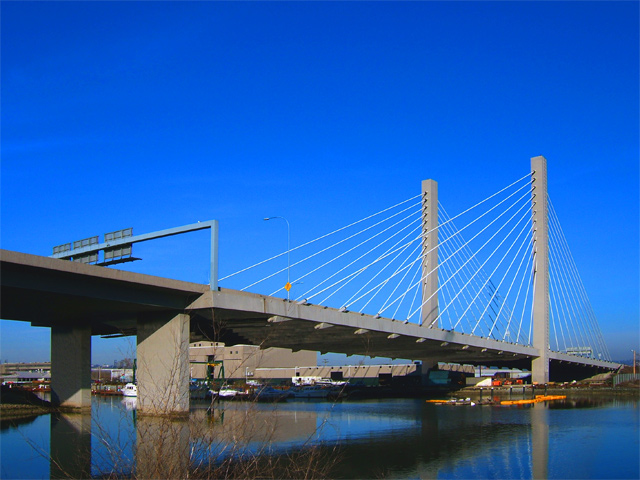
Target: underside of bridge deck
point(233, 327)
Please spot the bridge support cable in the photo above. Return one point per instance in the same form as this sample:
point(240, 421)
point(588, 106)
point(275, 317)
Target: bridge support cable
point(555, 313)
point(355, 298)
point(572, 310)
point(401, 281)
point(417, 272)
point(461, 263)
point(578, 307)
point(270, 278)
point(580, 299)
point(345, 280)
point(381, 285)
point(553, 330)
point(563, 297)
point(563, 301)
point(306, 294)
point(491, 237)
point(315, 254)
point(320, 238)
point(449, 289)
point(492, 296)
point(489, 292)
point(324, 280)
point(368, 239)
point(441, 262)
point(495, 292)
point(465, 245)
point(416, 290)
point(528, 277)
point(500, 243)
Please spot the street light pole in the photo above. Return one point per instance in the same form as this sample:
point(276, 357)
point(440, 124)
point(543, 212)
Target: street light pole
point(288, 285)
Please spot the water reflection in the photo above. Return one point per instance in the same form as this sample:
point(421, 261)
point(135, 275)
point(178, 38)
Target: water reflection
point(385, 438)
point(70, 446)
point(162, 447)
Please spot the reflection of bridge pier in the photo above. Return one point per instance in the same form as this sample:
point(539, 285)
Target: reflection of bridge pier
point(70, 449)
point(162, 447)
point(539, 441)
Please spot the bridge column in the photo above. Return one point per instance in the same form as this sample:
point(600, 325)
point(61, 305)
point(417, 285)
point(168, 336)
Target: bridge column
point(163, 364)
point(540, 365)
point(71, 367)
point(429, 311)
point(426, 366)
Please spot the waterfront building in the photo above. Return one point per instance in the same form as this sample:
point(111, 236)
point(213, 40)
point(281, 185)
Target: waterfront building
point(9, 368)
point(216, 360)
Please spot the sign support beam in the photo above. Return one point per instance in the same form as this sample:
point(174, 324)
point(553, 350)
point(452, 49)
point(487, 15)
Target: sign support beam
point(210, 224)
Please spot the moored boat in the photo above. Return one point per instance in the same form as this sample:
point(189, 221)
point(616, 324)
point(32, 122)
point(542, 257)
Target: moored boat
point(130, 390)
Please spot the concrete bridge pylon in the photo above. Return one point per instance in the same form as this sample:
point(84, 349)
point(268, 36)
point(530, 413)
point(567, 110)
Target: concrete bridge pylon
point(539, 205)
point(429, 313)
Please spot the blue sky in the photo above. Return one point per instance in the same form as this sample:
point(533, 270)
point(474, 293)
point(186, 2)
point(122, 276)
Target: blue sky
point(153, 115)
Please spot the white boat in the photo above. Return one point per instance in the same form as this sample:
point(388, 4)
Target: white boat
point(130, 390)
point(225, 392)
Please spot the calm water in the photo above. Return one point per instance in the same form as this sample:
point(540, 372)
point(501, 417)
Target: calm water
point(584, 439)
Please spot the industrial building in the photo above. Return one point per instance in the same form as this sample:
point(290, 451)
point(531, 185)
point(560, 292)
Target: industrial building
point(216, 360)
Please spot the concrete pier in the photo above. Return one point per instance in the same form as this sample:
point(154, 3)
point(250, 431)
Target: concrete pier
point(71, 367)
point(163, 364)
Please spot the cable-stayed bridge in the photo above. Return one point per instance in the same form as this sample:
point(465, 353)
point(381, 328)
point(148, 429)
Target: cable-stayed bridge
point(481, 280)
point(492, 284)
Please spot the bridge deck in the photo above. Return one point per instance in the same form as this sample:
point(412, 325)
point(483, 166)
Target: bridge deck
point(47, 292)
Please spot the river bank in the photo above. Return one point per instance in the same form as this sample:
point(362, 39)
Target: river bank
point(16, 404)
